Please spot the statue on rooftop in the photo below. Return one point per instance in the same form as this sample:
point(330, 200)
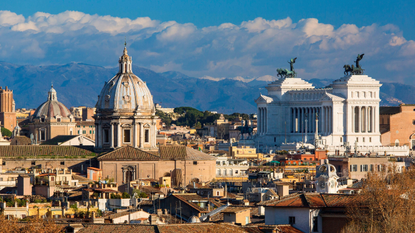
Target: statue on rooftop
point(285, 73)
point(352, 69)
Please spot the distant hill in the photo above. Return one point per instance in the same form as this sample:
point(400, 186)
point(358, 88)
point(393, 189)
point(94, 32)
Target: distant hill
point(79, 84)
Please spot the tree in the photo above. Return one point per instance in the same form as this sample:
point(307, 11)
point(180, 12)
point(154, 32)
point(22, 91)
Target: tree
point(6, 132)
point(385, 203)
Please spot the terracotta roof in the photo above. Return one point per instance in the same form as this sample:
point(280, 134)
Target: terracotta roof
point(186, 198)
point(128, 153)
point(165, 153)
point(182, 153)
point(59, 139)
point(29, 151)
point(94, 168)
point(200, 228)
point(81, 179)
point(283, 228)
point(112, 228)
point(312, 200)
point(172, 152)
point(232, 209)
point(20, 140)
point(124, 213)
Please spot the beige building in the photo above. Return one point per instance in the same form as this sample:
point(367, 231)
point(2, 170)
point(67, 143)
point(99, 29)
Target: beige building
point(51, 119)
point(125, 112)
point(181, 163)
point(243, 152)
point(358, 167)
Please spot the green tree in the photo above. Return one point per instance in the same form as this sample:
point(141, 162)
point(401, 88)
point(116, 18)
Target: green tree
point(6, 132)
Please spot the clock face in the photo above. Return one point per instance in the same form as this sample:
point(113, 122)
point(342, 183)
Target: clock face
point(323, 168)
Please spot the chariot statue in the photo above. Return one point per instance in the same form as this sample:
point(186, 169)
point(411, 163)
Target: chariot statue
point(285, 73)
point(352, 69)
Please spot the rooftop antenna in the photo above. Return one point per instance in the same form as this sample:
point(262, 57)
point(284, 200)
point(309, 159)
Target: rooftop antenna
point(125, 42)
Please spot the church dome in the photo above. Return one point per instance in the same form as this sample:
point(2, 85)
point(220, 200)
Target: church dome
point(52, 107)
point(125, 92)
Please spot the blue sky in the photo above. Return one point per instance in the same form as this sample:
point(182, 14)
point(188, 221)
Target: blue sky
point(215, 39)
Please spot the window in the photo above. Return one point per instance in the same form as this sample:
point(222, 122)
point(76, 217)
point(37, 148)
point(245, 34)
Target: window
point(371, 167)
point(291, 220)
point(127, 136)
point(370, 139)
point(357, 139)
point(4, 163)
point(63, 163)
point(146, 136)
point(58, 120)
point(341, 139)
point(315, 224)
point(33, 162)
point(396, 142)
point(364, 167)
point(353, 168)
point(363, 139)
point(90, 132)
point(84, 131)
point(194, 162)
point(106, 135)
point(42, 135)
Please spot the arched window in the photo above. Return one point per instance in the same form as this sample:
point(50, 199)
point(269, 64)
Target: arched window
point(396, 142)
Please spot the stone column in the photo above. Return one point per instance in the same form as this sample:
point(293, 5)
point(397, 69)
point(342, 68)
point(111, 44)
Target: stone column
point(359, 122)
point(141, 136)
point(119, 134)
point(111, 136)
point(135, 134)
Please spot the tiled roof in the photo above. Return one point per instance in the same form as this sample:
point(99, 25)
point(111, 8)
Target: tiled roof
point(200, 228)
point(193, 154)
point(119, 228)
point(128, 153)
point(186, 198)
point(165, 153)
point(168, 228)
point(117, 215)
point(283, 228)
point(30, 151)
point(172, 152)
point(232, 209)
point(312, 200)
point(81, 179)
point(20, 140)
point(59, 139)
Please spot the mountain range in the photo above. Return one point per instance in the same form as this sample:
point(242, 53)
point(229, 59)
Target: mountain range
point(79, 84)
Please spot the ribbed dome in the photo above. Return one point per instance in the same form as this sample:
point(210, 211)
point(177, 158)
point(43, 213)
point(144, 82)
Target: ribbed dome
point(125, 91)
point(52, 107)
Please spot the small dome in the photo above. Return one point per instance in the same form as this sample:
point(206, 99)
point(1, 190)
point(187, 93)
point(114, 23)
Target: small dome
point(52, 107)
point(125, 91)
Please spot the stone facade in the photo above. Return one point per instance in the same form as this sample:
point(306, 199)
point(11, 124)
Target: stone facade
point(397, 125)
point(182, 164)
point(125, 113)
point(51, 119)
point(7, 109)
point(342, 117)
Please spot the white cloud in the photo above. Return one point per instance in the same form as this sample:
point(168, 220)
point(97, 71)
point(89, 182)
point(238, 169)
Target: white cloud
point(253, 48)
point(8, 18)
